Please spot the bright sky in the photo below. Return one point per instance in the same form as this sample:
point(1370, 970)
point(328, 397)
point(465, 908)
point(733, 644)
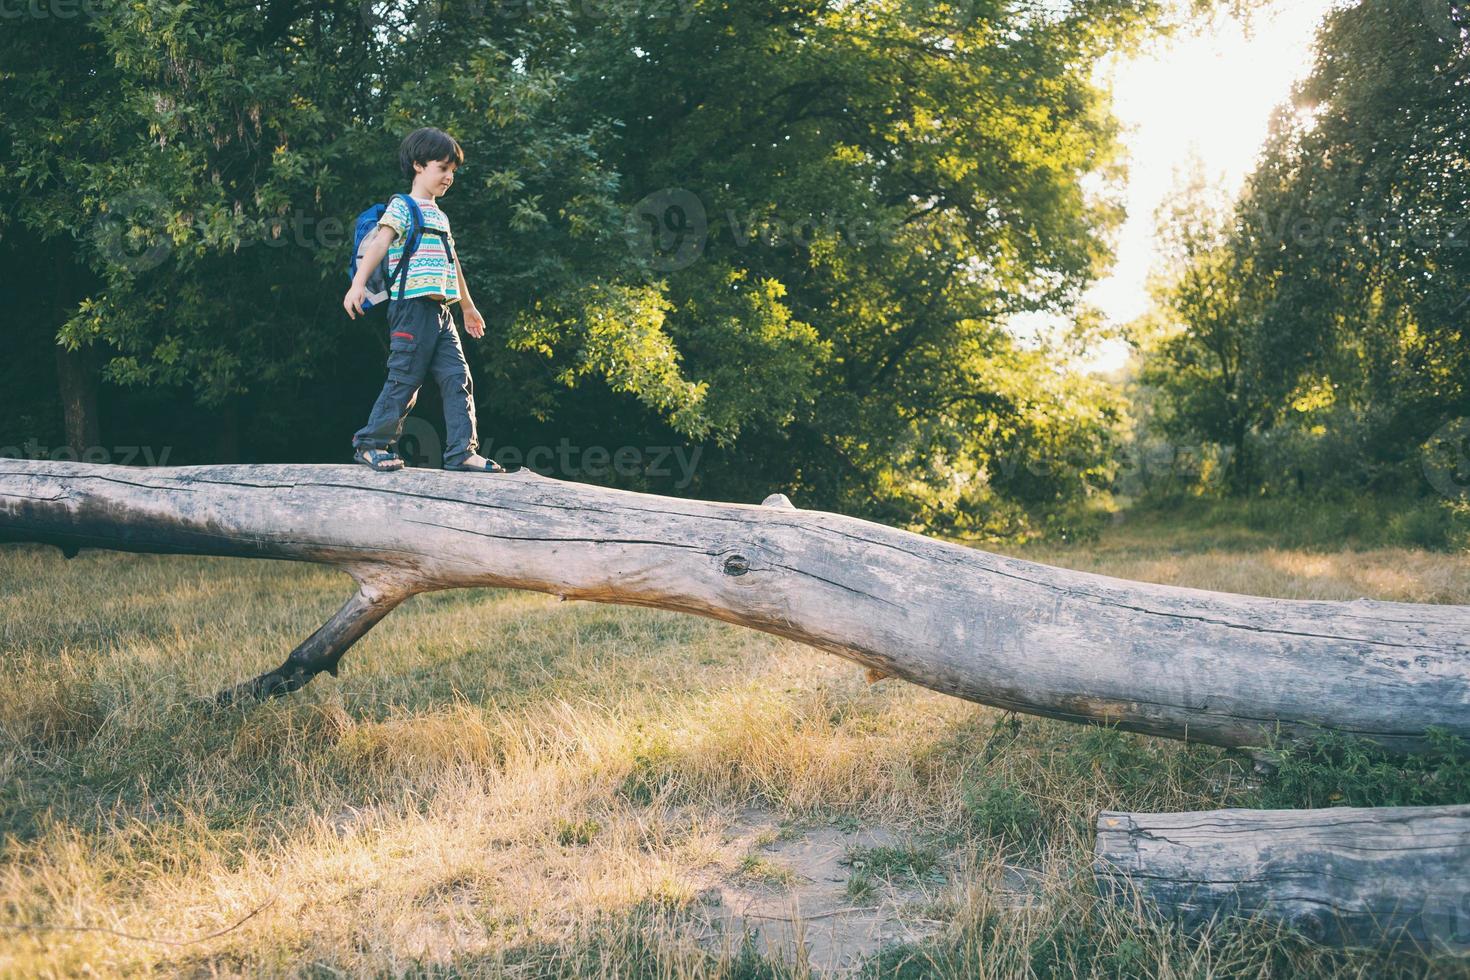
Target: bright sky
point(1209, 96)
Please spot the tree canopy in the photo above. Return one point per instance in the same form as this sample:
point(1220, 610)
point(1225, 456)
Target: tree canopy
point(788, 233)
point(1319, 329)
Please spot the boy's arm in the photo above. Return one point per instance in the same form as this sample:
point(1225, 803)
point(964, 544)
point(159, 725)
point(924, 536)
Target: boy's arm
point(372, 255)
point(474, 323)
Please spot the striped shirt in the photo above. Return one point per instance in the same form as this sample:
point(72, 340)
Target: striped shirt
point(430, 271)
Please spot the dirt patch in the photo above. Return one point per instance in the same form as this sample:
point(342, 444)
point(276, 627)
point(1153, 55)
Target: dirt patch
point(831, 894)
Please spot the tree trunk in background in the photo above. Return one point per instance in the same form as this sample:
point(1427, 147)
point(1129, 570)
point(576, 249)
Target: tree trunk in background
point(1238, 472)
point(227, 430)
point(76, 378)
point(76, 370)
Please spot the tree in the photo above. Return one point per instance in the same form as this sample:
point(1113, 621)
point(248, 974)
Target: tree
point(1331, 317)
point(1208, 352)
point(882, 186)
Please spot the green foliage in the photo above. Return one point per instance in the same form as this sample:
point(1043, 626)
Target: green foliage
point(1329, 522)
point(860, 887)
point(1081, 937)
point(998, 810)
point(1216, 366)
point(1126, 762)
point(1316, 330)
point(573, 833)
point(766, 871)
point(1332, 769)
point(890, 861)
point(649, 775)
point(883, 186)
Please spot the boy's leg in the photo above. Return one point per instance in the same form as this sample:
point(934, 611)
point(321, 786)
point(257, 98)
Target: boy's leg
point(410, 346)
point(452, 372)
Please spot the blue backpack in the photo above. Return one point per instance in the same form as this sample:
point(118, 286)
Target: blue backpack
point(379, 283)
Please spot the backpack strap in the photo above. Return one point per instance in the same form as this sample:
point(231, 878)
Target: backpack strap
point(399, 270)
point(416, 232)
point(411, 244)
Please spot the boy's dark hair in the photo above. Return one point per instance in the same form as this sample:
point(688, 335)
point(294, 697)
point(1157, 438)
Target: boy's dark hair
point(426, 144)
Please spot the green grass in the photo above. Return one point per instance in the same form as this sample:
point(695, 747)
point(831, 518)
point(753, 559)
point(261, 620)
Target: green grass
point(501, 784)
point(766, 870)
point(1335, 770)
point(571, 833)
point(1327, 523)
point(891, 861)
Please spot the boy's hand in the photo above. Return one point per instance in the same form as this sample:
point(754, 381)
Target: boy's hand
point(354, 300)
point(474, 323)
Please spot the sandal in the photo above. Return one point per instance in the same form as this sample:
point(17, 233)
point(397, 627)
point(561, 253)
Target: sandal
point(490, 467)
point(379, 459)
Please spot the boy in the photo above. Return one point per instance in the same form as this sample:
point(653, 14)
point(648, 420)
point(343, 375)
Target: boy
point(422, 335)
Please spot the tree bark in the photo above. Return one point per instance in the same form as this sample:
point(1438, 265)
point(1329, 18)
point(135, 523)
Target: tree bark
point(227, 430)
point(76, 378)
point(1181, 663)
point(76, 370)
point(1343, 876)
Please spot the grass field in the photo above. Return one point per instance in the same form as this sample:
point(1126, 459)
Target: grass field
point(500, 783)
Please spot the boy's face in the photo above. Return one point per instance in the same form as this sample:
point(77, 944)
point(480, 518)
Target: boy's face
point(436, 176)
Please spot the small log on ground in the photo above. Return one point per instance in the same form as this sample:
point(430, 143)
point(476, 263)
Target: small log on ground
point(1181, 663)
point(1345, 876)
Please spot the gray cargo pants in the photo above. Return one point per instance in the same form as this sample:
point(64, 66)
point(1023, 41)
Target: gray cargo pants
point(423, 341)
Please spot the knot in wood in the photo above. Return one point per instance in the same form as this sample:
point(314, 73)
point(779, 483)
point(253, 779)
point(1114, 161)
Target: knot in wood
point(737, 565)
point(1309, 924)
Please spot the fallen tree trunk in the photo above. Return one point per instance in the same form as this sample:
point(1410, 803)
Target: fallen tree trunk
point(1344, 876)
point(1182, 663)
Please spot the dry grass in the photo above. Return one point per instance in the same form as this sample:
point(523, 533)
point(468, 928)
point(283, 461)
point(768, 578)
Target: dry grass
point(503, 784)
